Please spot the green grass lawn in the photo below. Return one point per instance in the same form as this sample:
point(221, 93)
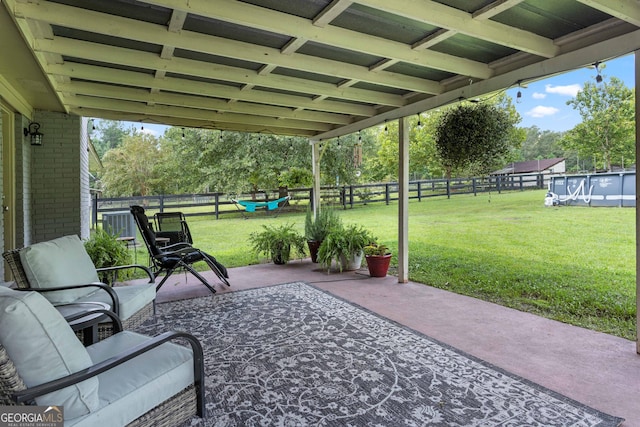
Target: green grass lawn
point(573, 264)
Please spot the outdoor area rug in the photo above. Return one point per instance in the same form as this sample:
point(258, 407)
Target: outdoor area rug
point(294, 355)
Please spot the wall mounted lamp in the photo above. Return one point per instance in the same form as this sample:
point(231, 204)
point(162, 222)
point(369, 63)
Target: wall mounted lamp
point(35, 135)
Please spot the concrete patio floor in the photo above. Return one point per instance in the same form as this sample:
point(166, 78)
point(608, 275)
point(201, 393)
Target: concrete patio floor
point(596, 369)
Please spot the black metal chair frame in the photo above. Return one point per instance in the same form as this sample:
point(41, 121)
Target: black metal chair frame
point(27, 395)
point(173, 225)
point(173, 257)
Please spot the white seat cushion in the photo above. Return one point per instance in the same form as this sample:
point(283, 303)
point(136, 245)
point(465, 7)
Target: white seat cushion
point(132, 298)
point(59, 262)
point(43, 348)
point(138, 385)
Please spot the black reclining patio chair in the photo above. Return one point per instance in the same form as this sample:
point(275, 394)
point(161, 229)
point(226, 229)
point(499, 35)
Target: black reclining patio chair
point(173, 225)
point(181, 255)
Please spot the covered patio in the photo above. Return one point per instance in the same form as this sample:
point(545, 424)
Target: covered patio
point(596, 369)
point(314, 68)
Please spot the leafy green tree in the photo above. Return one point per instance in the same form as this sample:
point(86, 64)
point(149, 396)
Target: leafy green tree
point(108, 134)
point(423, 159)
point(607, 130)
point(476, 137)
point(539, 144)
point(338, 165)
point(133, 169)
point(233, 162)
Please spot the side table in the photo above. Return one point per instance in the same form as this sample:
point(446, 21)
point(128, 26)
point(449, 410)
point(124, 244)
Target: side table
point(130, 241)
point(88, 323)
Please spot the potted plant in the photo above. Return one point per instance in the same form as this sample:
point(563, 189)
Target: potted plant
point(316, 229)
point(378, 258)
point(345, 246)
point(106, 251)
point(280, 242)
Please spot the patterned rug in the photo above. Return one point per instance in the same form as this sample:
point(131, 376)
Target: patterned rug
point(293, 355)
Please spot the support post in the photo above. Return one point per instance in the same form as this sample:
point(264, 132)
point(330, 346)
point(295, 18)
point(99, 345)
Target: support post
point(637, 74)
point(315, 160)
point(403, 200)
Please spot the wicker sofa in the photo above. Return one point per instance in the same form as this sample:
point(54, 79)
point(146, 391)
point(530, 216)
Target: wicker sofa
point(42, 363)
point(63, 272)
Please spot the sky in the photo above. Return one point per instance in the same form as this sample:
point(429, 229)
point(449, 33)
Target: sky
point(543, 103)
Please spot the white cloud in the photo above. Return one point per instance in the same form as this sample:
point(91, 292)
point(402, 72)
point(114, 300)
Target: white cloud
point(542, 111)
point(568, 90)
point(538, 95)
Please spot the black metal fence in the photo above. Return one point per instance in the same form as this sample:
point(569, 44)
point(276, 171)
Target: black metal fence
point(218, 205)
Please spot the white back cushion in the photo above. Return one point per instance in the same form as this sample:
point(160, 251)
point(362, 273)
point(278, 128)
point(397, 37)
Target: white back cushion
point(43, 348)
point(59, 262)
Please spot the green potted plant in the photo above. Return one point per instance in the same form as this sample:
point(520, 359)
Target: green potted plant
point(106, 251)
point(345, 246)
point(378, 258)
point(280, 242)
point(316, 229)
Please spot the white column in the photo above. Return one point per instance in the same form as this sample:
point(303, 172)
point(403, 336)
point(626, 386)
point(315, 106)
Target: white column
point(403, 200)
point(637, 63)
point(315, 160)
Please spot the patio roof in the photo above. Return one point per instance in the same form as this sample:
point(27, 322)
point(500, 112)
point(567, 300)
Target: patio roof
point(315, 68)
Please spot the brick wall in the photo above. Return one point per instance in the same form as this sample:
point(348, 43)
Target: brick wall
point(56, 205)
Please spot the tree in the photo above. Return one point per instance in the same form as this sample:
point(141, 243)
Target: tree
point(475, 137)
point(540, 144)
point(108, 134)
point(424, 161)
point(607, 131)
point(133, 169)
point(233, 162)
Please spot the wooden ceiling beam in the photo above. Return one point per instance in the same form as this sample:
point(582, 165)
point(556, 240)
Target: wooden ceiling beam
point(145, 60)
point(173, 84)
point(106, 24)
point(102, 90)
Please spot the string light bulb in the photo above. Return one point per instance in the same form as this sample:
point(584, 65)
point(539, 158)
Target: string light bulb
point(182, 133)
point(598, 75)
point(359, 136)
point(386, 128)
point(519, 94)
point(419, 121)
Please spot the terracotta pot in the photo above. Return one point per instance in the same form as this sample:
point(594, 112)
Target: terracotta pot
point(378, 265)
point(314, 245)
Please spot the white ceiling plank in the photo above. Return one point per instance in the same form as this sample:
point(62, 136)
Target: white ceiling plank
point(294, 44)
point(268, 20)
point(140, 95)
point(95, 73)
point(151, 33)
point(150, 117)
point(626, 10)
point(331, 12)
point(453, 19)
point(495, 8)
point(134, 58)
point(177, 21)
point(434, 39)
point(190, 113)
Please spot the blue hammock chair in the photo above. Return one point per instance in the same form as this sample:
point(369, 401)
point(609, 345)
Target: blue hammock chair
point(269, 205)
